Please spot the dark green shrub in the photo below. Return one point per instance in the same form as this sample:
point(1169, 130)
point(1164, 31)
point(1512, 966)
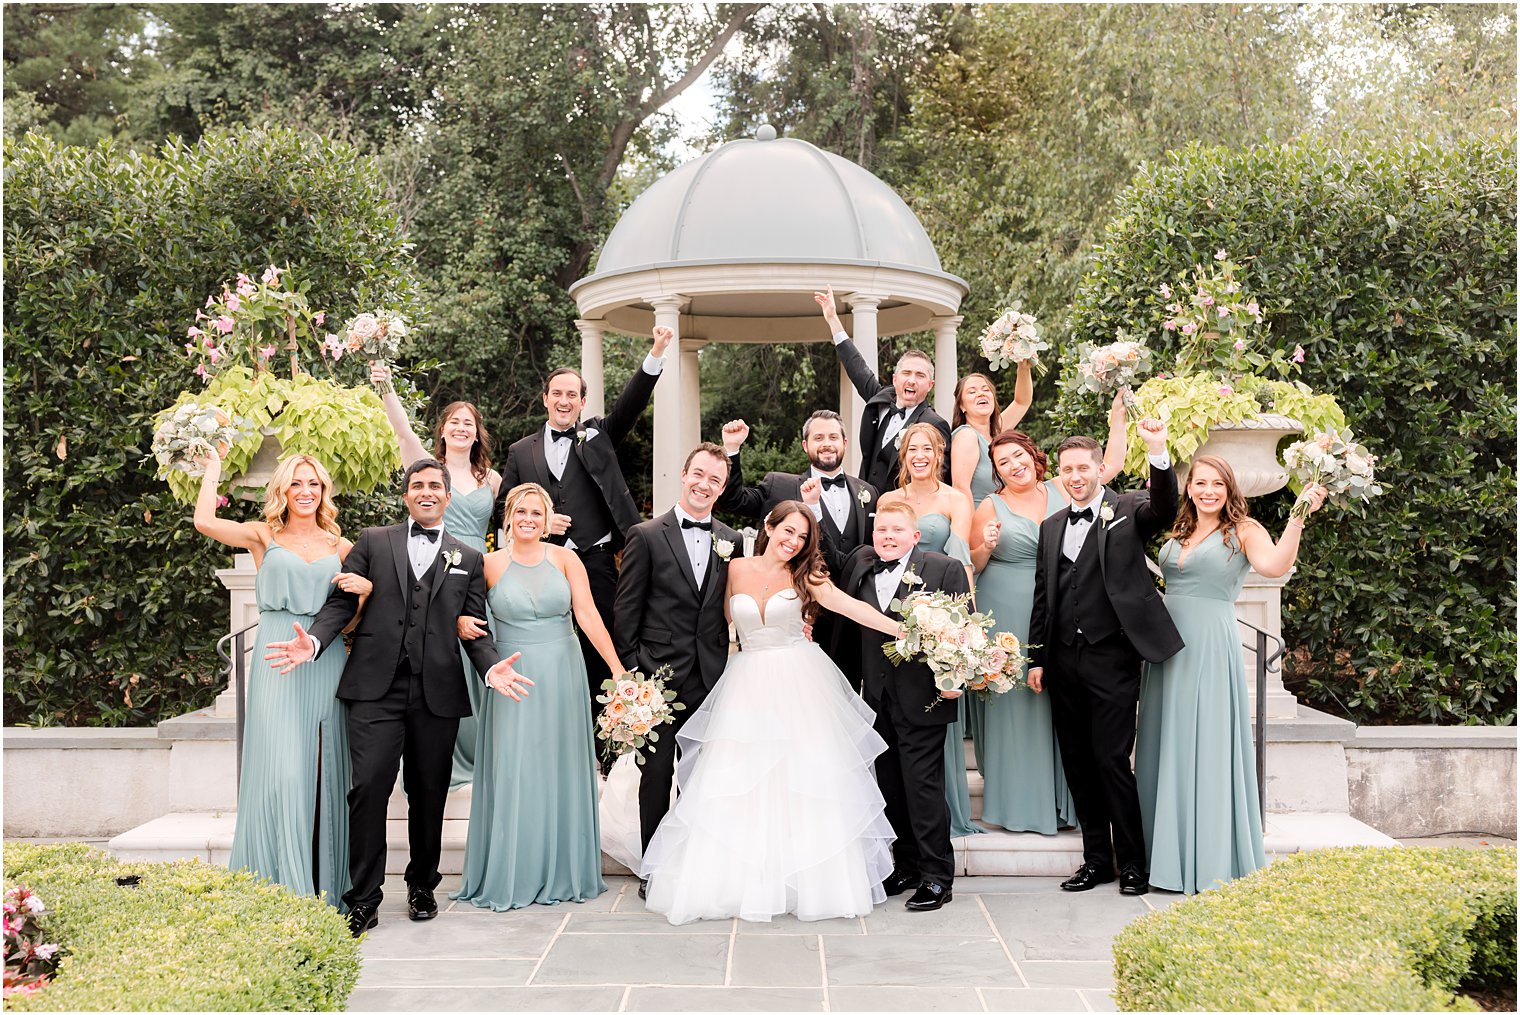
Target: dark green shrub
point(1395, 270)
point(112, 610)
point(189, 937)
point(1369, 929)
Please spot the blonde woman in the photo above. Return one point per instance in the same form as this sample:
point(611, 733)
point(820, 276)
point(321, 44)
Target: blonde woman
point(292, 816)
point(944, 519)
point(534, 834)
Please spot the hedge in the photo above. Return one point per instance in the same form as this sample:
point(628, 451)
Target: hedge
point(1363, 929)
point(112, 610)
point(1395, 270)
point(188, 937)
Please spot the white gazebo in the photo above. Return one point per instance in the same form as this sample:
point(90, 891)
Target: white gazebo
point(730, 248)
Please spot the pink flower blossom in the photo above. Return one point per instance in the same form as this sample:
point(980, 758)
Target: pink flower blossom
point(222, 500)
point(215, 354)
point(271, 275)
point(1240, 345)
point(1166, 290)
point(1223, 311)
point(190, 347)
point(1226, 390)
point(199, 316)
point(1206, 299)
point(46, 951)
point(245, 285)
point(1220, 255)
point(333, 346)
point(193, 332)
point(200, 371)
point(266, 352)
point(319, 318)
point(1254, 310)
point(210, 301)
point(208, 340)
point(233, 303)
point(1189, 328)
point(1169, 325)
point(1298, 354)
point(224, 324)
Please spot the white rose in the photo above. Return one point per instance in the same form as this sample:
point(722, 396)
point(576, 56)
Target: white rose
point(396, 327)
point(364, 327)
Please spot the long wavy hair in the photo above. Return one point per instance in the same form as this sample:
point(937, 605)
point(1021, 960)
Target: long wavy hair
point(958, 416)
point(1023, 440)
point(480, 451)
point(904, 476)
point(807, 565)
point(1231, 515)
point(516, 496)
point(277, 501)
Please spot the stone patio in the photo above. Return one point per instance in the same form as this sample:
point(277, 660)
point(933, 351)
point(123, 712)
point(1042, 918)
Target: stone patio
point(1004, 944)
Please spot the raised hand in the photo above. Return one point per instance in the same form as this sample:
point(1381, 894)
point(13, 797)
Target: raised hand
point(503, 679)
point(379, 373)
point(1153, 433)
point(825, 301)
point(355, 583)
point(735, 432)
point(559, 524)
point(812, 491)
point(471, 628)
point(284, 656)
point(1116, 411)
point(990, 533)
point(663, 336)
point(1314, 496)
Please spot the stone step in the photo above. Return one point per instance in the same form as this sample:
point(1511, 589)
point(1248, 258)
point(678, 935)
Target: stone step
point(208, 836)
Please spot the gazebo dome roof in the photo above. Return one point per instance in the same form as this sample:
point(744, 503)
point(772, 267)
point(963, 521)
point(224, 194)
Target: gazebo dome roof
point(767, 200)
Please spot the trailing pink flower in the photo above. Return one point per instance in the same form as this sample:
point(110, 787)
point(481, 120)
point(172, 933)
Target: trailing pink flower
point(1169, 325)
point(1189, 328)
point(1205, 299)
point(1240, 345)
point(271, 276)
point(193, 332)
point(1298, 354)
point(320, 316)
point(266, 352)
point(1220, 255)
point(200, 371)
point(233, 303)
point(224, 324)
point(1226, 390)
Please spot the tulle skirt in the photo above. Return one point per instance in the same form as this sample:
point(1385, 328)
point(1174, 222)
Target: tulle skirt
point(779, 811)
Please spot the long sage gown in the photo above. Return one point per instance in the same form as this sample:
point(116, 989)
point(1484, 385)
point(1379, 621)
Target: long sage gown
point(983, 485)
point(466, 518)
point(937, 535)
point(1195, 766)
point(534, 835)
point(292, 815)
point(1023, 787)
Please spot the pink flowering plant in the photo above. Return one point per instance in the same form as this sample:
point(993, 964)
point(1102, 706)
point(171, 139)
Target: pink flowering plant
point(30, 960)
point(250, 322)
point(1216, 320)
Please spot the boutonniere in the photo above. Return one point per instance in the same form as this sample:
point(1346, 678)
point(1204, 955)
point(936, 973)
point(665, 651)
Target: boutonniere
point(1106, 512)
point(452, 557)
point(897, 441)
point(580, 436)
point(864, 497)
point(910, 578)
point(724, 548)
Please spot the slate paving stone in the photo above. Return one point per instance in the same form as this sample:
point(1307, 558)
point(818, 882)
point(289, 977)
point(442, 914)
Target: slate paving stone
point(1069, 925)
point(639, 959)
point(903, 999)
point(724, 999)
point(446, 972)
point(775, 961)
point(1033, 999)
point(1068, 974)
point(514, 999)
point(901, 960)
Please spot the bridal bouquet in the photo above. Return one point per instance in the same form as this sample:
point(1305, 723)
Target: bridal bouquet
point(1336, 462)
point(378, 336)
point(1012, 338)
point(1005, 667)
point(955, 641)
point(192, 432)
point(633, 707)
point(1114, 367)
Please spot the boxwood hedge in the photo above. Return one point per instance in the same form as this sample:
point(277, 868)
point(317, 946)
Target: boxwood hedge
point(187, 937)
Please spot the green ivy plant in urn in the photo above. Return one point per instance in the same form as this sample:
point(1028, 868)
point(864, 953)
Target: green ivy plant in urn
point(250, 344)
point(1226, 397)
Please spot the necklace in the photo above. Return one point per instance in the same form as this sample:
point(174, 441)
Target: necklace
point(775, 573)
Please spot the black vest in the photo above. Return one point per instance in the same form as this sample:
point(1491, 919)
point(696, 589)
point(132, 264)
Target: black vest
point(576, 494)
point(418, 592)
point(1081, 600)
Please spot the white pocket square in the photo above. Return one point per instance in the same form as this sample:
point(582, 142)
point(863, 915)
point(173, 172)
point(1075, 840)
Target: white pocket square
point(591, 432)
point(458, 570)
point(1118, 522)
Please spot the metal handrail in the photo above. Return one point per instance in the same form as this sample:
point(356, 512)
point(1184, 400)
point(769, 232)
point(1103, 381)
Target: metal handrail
point(230, 649)
point(1265, 664)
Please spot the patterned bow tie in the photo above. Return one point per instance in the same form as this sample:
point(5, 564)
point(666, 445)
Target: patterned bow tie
point(687, 523)
point(431, 535)
point(1085, 515)
point(561, 435)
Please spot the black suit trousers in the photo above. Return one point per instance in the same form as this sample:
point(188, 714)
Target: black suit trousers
point(380, 734)
point(658, 773)
point(1094, 691)
point(602, 576)
point(911, 774)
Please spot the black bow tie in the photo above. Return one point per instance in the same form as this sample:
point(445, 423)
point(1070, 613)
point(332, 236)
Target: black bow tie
point(431, 535)
point(1085, 515)
point(561, 435)
point(687, 523)
point(883, 566)
point(832, 482)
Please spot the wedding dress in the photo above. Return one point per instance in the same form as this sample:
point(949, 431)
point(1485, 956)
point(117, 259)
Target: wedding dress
point(779, 811)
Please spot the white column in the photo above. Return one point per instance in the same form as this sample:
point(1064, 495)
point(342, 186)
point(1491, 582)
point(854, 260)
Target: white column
point(238, 581)
point(1260, 603)
point(691, 395)
point(592, 336)
point(669, 447)
point(944, 364)
point(851, 405)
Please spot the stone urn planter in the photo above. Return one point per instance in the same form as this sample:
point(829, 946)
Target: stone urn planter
point(1250, 447)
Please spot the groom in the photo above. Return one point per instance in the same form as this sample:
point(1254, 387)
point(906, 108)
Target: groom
point(1096, 615)
point(404, 683)
point(910, 716)
point(669, 611)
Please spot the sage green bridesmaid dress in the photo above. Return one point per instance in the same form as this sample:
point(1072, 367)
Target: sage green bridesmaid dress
point(534, 834)
point(292, 815)
point(983, 485)
point(1195, 765)
point(936, 535)
point(466, 518)
point(1023, 786)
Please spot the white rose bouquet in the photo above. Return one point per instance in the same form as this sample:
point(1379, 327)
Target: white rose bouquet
point(1013, 338)
point(1104, 369)
point(1005, 667)
point(1335, 461)
point(191, 432)
point(956, 642)
point(378, 336)
point(632, 707)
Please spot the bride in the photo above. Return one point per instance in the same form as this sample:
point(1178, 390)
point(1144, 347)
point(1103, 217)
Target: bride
point(778, 810)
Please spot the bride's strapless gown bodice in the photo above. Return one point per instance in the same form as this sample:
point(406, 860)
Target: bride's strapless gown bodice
point(778, 626)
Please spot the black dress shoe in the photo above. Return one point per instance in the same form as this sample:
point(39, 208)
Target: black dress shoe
point(930, 896)
point(643, 889)
point(420, 904)
point(1087, 877)
point(1133, 881)
point(900, 881)
point(362, 918)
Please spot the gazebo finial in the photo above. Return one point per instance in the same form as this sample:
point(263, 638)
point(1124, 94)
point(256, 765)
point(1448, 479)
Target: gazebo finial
point(765, 133)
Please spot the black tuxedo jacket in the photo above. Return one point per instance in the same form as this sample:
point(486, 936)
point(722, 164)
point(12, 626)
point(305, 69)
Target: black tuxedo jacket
point(598, 453)
point(757, 502)
point(661, 617)
point(879, 466)
point(1143, 618)
point(457, 590)
point(910, 684)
